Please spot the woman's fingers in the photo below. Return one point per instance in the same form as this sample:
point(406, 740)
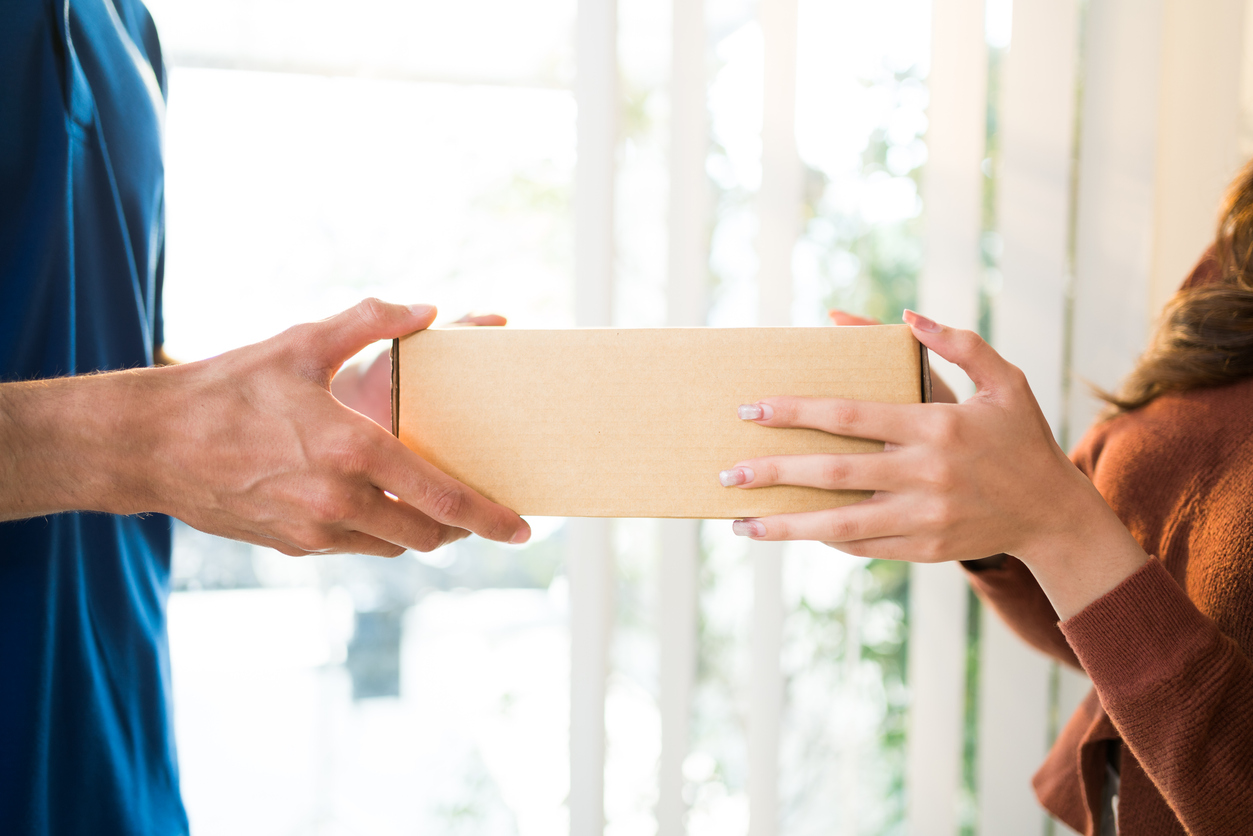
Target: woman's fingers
point(838, 416)
point(852, 471)
point(864, 520)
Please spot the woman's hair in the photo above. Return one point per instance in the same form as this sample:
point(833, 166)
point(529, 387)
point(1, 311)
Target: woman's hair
point(1205, 334)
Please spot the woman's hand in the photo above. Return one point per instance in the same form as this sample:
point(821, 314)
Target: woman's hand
point(954, 482)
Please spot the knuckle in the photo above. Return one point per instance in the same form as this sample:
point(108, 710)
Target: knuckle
point(350, 453)
point(938, 474)
point(330, 504)
point(769, 473)
point(845, 416)
point(835, 473)
point(427, 539)
point(446, 502)
point(1018, 382)
point(945, 427)
point(327, 508)
point(971, 342)
point(313, 538)
point(842, 530)
point(372, 311)
point(937, 515)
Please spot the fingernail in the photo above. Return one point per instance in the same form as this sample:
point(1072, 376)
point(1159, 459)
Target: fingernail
point(735, 476)
point(421, 310)
point(749, 528)
point(920, 322)
point(756, 411)
point(520, 536)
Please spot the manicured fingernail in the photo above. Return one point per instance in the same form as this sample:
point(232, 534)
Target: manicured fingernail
point(521, 535)
point(920, 322)
point(735, 476)
point(421, 310)
point(756, 411)
point(749, 528)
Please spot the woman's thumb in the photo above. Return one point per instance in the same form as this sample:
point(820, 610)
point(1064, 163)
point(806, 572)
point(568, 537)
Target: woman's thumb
point(965, 349)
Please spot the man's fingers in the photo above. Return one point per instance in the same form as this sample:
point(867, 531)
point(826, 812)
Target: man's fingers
point(258, 539)
point(853, 471)
point(966, 349)
point(491, 320)
point(839, 317)
point(399, 523)
point(864, 520)
point(343, 335)
point(838, 416)
point(420, 484)
point(358, 542)
point(333, 540)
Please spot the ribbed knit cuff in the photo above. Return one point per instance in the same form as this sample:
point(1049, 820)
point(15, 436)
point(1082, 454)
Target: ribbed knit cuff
point(1139, 633)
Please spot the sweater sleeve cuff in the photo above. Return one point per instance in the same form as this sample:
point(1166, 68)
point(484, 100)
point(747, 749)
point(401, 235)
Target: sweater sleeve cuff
point(1139, 633)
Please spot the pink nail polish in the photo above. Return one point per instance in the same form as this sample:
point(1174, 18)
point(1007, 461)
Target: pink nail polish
point(921, 322)
point(748, 528)
point(755, 411)
point(735, 476)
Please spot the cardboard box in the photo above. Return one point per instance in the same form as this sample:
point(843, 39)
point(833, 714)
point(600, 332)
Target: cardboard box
point(605, 422)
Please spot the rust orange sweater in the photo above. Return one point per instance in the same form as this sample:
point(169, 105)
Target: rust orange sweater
point(1169, 650)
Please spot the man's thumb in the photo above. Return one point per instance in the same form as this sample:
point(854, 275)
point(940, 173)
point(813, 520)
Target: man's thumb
point(369, 321)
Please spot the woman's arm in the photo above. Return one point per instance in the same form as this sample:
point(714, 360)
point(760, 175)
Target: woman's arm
point(1009, 588)
point(985, 476)
point(954, 482)
point(249, 445)
point(1003, 582)
point(1180, 693)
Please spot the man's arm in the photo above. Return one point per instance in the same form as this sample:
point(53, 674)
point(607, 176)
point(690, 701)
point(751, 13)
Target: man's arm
point(250, 445)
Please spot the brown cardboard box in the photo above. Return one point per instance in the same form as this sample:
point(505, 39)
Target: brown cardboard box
point(606, 422)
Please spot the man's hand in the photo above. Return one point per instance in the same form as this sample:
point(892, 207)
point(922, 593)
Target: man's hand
point(249, 445)
point(367, 387)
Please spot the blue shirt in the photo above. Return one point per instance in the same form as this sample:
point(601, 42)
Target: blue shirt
point(86, 740)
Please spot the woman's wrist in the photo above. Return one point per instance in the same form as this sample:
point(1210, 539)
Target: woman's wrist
point(1086, 555)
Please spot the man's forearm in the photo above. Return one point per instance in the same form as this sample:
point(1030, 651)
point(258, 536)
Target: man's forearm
point(249, 444)
point(71, 444)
